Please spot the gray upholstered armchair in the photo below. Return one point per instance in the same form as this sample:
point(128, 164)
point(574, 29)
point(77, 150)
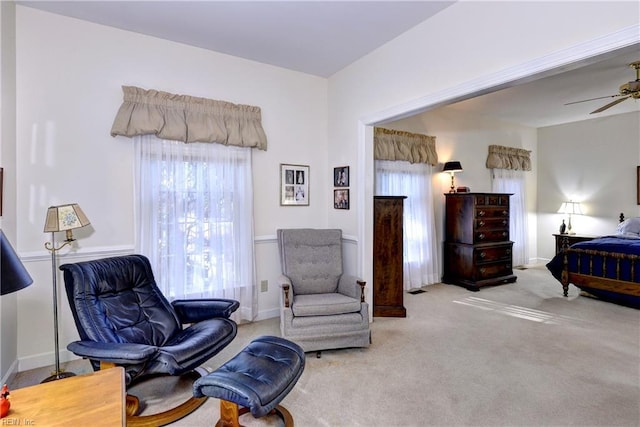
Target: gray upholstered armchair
point(321, 308)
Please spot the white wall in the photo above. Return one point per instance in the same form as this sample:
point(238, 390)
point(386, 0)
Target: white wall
point(593, 162)
point(69, 82)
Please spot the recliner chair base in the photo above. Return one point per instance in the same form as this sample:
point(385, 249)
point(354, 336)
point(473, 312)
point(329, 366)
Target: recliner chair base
point(166, 417)
point(163, 418)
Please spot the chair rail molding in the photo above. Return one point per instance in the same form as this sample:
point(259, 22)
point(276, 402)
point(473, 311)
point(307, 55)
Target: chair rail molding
point(79, 253)
point(108, 251)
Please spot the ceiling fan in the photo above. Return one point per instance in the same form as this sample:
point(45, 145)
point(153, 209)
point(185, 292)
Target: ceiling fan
point(627, 90)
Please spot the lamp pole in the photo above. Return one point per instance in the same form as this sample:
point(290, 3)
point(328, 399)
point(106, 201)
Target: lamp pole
point(51, 247)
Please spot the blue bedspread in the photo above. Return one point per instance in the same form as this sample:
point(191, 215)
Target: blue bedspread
point(616, 244)
point(611, 268)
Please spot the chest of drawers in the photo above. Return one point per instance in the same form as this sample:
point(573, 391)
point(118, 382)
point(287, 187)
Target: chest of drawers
point(477, 249)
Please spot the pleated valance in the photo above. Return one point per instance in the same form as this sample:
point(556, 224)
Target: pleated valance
point(188, 119)
point(501, 157)
point(391, 144)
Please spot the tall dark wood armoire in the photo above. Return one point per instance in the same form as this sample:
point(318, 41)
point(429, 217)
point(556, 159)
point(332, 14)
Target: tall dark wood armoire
point(387, 257)
point(477, 249)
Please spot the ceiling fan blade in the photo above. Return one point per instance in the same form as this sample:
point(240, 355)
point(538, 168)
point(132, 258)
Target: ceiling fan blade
point(609, 105)
point(592, 99)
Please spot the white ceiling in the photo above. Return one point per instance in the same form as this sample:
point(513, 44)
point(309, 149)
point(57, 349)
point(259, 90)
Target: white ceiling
point(322, 37)
point(542, 102)
point(314, 37)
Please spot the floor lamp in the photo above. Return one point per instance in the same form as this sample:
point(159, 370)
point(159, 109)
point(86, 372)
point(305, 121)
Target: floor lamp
point(60, 218)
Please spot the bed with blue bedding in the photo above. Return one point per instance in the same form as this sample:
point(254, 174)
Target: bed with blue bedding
point(607, 267)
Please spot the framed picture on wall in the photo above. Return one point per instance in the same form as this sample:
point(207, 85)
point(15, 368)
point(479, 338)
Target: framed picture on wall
point(341, 176)
point(294, 185)
point(341, 199)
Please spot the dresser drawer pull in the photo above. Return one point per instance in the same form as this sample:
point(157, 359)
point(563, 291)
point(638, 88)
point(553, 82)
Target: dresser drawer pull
point(508, 251)
point(482, 255)
point(505, 222)
point(481, 236)
point(481, 213)
point(504, 234)
point(505, 213)
point(481, 223)
point(483, 270)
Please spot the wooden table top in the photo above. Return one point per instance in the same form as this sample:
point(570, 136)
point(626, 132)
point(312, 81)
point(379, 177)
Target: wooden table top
point(95, 399)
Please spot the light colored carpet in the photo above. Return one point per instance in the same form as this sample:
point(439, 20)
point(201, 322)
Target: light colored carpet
point(511, 355)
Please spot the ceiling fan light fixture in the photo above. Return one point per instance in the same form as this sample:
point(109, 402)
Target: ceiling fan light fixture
point(626, 91)
point(630, 88)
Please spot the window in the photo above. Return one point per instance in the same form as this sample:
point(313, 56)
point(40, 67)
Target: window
point(195, 219)
point(400, 178)
point(512, 181)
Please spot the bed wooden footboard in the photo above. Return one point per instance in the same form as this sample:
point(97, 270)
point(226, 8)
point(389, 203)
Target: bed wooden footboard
point(606, 271)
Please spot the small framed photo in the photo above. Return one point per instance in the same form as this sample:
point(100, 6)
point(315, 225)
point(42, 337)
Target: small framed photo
point(341, 176)
point(341, 199)
point(294, 185)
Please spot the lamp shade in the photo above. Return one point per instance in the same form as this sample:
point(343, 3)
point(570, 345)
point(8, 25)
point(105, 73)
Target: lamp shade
point(571, 208)
point(65, 217)
point(452, 167)
point(13, 275)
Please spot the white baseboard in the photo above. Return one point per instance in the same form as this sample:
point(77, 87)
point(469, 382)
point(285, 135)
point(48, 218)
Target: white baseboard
point(539, 261)
point(44, 359)
point(10, 374)
point(267, 314)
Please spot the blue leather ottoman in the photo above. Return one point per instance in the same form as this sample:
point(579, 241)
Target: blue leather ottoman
point(255, 379)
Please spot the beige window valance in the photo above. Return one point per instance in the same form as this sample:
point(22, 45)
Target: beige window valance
point(391, 144)
point(501, 157)
point(188, 119)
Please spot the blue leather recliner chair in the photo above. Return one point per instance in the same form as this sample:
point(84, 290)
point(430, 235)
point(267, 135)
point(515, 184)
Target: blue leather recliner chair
point(124, 320)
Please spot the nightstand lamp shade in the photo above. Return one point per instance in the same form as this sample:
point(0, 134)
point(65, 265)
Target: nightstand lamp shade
point(13, 275)
point(570, 208)
point(452, 168)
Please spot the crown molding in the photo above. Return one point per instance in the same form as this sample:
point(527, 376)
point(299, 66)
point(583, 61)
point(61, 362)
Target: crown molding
point(557, 62)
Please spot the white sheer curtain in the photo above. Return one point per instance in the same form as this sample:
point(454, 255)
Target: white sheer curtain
point(512, 181)
point(400, 178)
point(195, 219)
